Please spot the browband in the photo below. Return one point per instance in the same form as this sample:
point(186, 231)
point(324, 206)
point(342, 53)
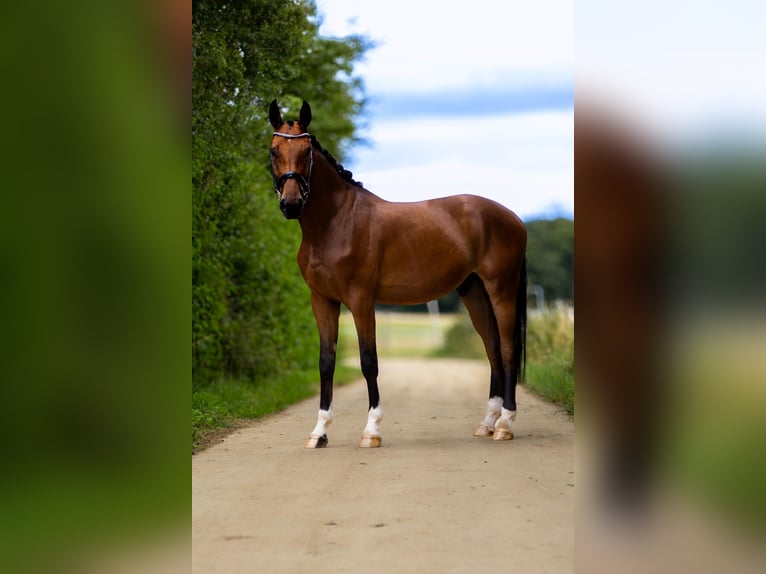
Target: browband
point(293, 136)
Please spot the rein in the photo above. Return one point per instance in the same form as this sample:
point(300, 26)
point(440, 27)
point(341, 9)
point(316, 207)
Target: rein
point(303, 181)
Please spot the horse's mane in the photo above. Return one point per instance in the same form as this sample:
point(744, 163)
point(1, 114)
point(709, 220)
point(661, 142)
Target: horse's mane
point(345, 174)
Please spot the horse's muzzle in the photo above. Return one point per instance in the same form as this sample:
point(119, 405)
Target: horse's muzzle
point(292, 209)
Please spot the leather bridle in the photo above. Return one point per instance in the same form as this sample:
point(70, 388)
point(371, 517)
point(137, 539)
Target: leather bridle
point(301, 180)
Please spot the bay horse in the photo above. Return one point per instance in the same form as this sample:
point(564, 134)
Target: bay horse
point(358, 250)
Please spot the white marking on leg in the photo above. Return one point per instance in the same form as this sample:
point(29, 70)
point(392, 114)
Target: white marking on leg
point(324, 419)
point(506, 417)
point(494, 407)
point(373, 419)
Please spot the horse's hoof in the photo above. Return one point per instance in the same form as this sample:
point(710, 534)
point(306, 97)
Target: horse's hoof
point(503, 434)
point(484, 430)
point(370, 442)
point(316, 441)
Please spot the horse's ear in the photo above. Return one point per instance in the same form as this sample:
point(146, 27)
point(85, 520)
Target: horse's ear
point(275, 117)
point(305, 116)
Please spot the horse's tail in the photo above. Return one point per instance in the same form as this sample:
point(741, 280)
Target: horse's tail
point(520, 328)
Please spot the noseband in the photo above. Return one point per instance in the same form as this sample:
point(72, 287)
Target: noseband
point(301, 180)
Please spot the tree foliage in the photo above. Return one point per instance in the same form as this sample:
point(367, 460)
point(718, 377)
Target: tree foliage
point(250, 310)
point(550, 257)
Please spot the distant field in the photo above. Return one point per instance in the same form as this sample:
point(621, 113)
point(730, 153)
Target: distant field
point(399, 334)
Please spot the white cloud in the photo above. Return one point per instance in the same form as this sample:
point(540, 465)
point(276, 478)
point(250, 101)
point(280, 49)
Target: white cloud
point(531, 140)
point(431, 44)
point(525, 192)
point(676, 68)
point(525, 162)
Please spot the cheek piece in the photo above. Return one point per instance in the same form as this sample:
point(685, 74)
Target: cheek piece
point(303, 181)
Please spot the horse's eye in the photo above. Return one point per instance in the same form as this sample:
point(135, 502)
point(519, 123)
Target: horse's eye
point(274, 152)
point(308, 152)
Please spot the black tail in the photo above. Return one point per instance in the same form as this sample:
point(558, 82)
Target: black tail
point(520, 328)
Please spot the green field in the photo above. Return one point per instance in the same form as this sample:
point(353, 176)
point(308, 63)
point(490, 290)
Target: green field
point(399, 334)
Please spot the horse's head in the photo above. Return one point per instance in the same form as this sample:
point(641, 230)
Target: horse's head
point(291, 160)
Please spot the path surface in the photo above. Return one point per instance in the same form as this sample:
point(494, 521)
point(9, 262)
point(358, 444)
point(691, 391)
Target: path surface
point(432, 499)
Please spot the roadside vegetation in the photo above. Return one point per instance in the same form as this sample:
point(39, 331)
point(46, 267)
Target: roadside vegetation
point(221, 406)
point(254, 339)
point(550, 356)
point(226, 404)
point(550, 352)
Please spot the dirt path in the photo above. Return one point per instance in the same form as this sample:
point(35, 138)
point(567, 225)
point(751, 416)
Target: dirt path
point(433, 498)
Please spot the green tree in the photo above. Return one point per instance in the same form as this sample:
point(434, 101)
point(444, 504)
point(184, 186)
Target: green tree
point(550, 257)
point(251, 315)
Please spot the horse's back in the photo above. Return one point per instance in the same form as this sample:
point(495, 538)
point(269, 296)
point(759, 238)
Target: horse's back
point(428, 248)
point(485, 209)
point(494, 229)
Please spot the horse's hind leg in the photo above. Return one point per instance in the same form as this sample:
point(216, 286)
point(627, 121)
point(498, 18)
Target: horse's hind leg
point(509, 305)
point(326, 313)
point(476, 300)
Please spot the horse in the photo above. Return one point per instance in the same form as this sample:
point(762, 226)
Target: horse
point(358, 250)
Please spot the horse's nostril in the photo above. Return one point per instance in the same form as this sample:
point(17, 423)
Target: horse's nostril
point(291, 210)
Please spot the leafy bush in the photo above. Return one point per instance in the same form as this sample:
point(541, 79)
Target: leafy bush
point(550, 356)
point(461, 340)
point(550, 352)
point(548, 333)
point(221, 404)
point(550, 257)
point(251, 314)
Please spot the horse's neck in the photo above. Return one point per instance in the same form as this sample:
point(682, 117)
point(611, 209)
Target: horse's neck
point(329, 202)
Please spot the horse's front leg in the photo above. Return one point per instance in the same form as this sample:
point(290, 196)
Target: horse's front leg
point(364, 319)
point(326, 313)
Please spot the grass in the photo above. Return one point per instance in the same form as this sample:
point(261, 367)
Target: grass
point(550, 353)
point(225, 405)
point(461, 341)
point(553, 378)
point(398, 334)
point(550, 357)
point(713, 444)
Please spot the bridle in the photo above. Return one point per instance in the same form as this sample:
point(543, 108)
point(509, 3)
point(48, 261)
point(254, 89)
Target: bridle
point(301, 180)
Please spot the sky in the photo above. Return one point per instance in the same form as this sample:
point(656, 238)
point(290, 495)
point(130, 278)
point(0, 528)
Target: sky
point(478, 97)
point(465, 98)
point(686, 71)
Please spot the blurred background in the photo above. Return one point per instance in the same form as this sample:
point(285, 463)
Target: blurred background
point(94, 258)
point(670, 182)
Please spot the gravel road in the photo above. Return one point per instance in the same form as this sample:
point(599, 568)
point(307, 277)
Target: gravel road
point(432, 499)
